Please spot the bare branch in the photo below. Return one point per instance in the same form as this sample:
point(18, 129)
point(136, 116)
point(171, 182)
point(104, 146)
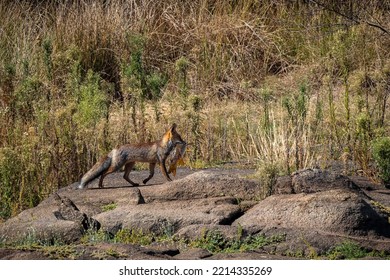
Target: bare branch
point(351, 18)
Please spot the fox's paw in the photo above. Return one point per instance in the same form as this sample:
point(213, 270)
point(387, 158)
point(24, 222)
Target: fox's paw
point(145, 181)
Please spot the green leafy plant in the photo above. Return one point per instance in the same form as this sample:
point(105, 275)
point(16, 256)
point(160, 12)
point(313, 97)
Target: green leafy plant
point(215, 242)
point(381, 154)
point(93, 103)
point(109, 207)
point(347, 250)
point(29, 96)
point(181, 68)
point(47, 46)
point(133, 236)
point(267, 174)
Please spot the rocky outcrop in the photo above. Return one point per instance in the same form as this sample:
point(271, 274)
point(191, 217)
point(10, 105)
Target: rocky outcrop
point(317, 200)
point(312, 208)
point(313, 180)
point(333, 211)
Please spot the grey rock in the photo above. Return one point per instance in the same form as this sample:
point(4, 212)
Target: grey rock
point(332, 211)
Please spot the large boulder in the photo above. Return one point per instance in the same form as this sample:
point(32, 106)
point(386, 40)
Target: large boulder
point(336, 211)
point(313, 180)
point(204, 184)
point(160, 217)
point(47, 223)
point(316, 209)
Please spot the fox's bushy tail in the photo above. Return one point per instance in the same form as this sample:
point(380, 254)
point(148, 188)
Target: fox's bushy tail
point(95, 171)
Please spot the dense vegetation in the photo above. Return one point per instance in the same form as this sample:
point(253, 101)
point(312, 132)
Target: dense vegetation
point(281, 84)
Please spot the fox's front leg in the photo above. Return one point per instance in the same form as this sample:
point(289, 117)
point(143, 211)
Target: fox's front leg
point(164, 168)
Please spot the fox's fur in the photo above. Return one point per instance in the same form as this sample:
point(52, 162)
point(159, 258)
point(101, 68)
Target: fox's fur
point(128, 155)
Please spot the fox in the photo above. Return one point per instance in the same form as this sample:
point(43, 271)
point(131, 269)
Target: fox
point(127, 155)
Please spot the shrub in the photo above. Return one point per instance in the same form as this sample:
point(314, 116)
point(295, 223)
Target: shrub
point(381, 154)
point(133, 236)
point(216, 242)
point(93, 104)
point(347, 250)
point(27, 96)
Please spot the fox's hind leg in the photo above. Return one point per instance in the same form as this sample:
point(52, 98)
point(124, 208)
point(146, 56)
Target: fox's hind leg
point(105, 173)
point(128, 167)
point(101, 179)
point(151, 172)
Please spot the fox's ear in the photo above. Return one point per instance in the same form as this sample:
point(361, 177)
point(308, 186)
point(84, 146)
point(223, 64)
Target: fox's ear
point(173, 127)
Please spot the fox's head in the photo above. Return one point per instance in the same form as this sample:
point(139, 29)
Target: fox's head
point(172, 138)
